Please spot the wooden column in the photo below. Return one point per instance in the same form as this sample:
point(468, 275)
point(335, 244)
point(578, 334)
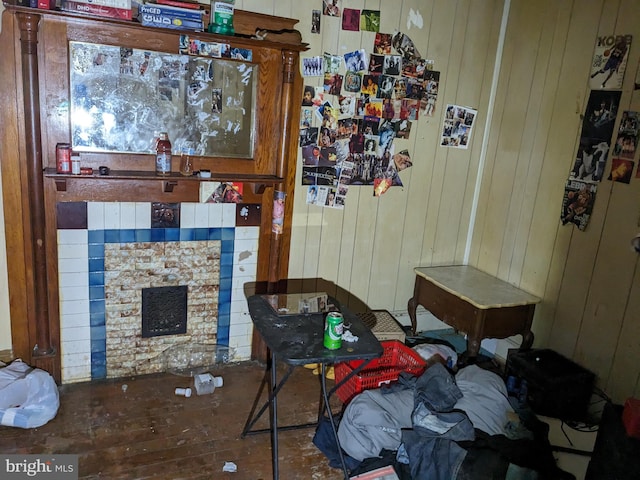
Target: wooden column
point(43, 354)
point(276, 267)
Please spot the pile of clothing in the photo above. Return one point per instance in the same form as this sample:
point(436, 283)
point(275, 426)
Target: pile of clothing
point(442, 426)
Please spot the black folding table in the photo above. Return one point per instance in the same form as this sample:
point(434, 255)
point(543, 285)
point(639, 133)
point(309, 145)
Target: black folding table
point(297, 340)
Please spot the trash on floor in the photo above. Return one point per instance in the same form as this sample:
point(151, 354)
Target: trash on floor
point(229, 467)
point(28, 396)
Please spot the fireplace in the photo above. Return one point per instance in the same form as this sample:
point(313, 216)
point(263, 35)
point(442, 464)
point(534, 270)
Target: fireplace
point(164, 311)
point(109, 256)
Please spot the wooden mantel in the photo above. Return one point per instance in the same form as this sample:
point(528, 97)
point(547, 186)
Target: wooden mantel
point(34, 81)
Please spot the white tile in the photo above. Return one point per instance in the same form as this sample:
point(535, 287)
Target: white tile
point(77, 359)
point(143, 215)
point(237, 283)
point(76, 374)
point(80, 251)
point(72, 307)
point(74, 347)
point(240, 308)
point(127, 215)
point(249, 245)
point(76, 333)
point(249, 269)
point(215, 214)
point(73, 320)
point(73, 265)
point(187, 215)
point(74, 279)
point(95, 215)
point(112, 216)
point(201, 215)
point(228, 215)
point(242, 329)
point(246, 233)
point(74, 293)
point(73, 237)
point(242, 353)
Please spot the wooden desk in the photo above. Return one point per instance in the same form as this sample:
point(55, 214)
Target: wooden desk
point(474, 302)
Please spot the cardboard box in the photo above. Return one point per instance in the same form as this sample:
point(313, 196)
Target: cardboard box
point(98, 10)
point(165, 16)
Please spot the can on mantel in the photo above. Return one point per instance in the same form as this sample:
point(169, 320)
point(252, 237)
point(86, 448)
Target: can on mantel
point(333, 326)
point(63, 158)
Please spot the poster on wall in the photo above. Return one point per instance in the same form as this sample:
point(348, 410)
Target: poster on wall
point(577, 203)
point(595, 137)
point(609, 61)
point(456, 130)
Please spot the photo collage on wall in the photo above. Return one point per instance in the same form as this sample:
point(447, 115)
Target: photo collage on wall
point(589, 166)
point(366, 100)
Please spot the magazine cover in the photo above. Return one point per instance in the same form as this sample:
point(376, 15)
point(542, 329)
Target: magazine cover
point(609, 61)
point(577, 203)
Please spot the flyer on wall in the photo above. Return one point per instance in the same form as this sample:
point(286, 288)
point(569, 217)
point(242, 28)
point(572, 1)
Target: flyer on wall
point(456, 130)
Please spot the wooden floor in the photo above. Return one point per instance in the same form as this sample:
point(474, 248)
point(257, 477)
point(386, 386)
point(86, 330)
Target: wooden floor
point(137, 428)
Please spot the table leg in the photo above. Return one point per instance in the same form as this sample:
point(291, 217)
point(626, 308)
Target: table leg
point(274, 418)
point(412, 307)
point(527, 334)
point(332, 421)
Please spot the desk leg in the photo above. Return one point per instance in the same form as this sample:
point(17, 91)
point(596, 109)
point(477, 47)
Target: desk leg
point(332, 421)
point(274, 417)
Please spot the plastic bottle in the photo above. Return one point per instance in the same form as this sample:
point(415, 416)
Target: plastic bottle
point(163, 155)
point(222, 17)
point(183, 392)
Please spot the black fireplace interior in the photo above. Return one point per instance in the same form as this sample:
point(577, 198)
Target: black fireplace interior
point(164, 311)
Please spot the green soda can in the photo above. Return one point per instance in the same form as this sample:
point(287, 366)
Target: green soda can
point(333, 327)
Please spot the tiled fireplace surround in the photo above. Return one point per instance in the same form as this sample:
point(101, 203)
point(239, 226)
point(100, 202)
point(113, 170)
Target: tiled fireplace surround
point(101, 244)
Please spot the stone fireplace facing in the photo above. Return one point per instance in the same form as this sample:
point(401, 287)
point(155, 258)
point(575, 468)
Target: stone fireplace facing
point(108, 253)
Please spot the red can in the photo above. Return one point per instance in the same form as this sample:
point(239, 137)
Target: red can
point(63, 158)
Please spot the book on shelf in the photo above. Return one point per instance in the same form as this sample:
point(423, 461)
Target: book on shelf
point(98, 10)
point(124, 4)
point(181, 4)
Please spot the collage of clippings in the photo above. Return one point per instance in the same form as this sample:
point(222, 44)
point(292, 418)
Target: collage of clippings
point(349, 123)
point(595, 147)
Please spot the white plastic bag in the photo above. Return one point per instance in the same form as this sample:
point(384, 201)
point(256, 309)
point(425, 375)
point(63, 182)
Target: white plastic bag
point(28, 396)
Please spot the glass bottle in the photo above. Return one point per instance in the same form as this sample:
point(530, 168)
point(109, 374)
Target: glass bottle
point(186, 159)
point(163, 155)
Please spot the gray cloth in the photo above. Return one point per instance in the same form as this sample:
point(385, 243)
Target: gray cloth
point(431, 449)
point(373, 421)
point(484, 399)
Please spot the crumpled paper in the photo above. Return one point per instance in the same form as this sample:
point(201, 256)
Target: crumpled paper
point(229, 467)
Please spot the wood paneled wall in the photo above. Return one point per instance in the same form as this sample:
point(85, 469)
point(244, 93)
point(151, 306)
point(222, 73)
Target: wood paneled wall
point(589, 281)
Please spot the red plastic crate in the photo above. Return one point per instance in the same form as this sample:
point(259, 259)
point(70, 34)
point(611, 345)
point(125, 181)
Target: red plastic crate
point(395, 359)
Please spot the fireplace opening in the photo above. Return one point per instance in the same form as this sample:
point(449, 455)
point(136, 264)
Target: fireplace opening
point(164, 311)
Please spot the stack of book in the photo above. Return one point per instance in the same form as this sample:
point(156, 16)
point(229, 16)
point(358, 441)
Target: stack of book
point(176, 14)
point(120, 9)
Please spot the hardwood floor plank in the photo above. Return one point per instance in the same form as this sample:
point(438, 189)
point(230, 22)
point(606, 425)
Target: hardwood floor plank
point(145, 431)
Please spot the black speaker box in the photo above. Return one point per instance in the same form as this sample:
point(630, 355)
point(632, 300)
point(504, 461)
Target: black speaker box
point(556, 386)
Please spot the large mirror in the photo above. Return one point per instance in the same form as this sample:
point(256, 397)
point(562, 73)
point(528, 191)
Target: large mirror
point(122, 97)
